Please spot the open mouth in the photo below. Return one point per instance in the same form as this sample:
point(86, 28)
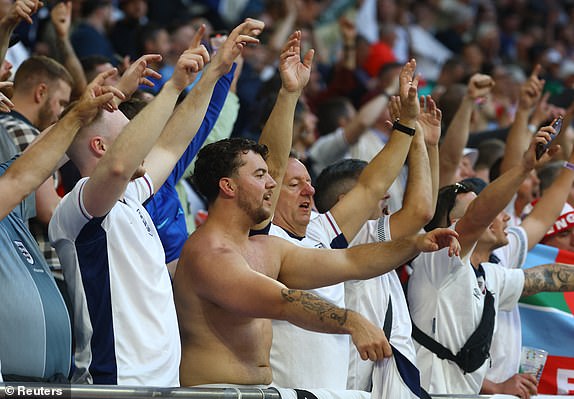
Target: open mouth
point(305, 205)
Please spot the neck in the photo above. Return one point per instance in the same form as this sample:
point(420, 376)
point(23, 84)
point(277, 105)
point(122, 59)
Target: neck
point(233, 222)
point(28, 112)
point(480, 254)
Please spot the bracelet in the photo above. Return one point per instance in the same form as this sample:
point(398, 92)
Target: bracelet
point(402, 128)
point(568, 165)
point(532, 128)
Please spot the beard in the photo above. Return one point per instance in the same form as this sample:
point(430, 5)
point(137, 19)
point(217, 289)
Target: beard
point(45, 116)
point(257, 213)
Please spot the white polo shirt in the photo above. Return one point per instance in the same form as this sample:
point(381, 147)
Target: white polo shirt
point(446, 302)
point(307, 359)
point(125, 322)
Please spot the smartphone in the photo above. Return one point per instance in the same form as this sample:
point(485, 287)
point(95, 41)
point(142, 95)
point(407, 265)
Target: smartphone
point(542, 148)
point(216, 39)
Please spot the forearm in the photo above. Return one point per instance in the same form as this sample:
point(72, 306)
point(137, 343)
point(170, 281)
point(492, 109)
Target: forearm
point(491, 201)
point(6, 29)
point(382, 171)
point(371, 260)
point(365, 118)
point(554, 277)
point(517, 141)
point(454, 142)
point(314, 313)
point(141, 133)
point(489, 387)
point(419, 200)
point(44, 153)
point(186, 120)
point(548, 207)
point(277, 133)
point(435, 172)
point(73, 65)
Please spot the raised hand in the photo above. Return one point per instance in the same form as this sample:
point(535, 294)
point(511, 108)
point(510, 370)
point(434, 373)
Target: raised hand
point(5, 104)
point(97, 96)
point(430, 120)
point(479, 86)
point(542, 137)
point(244, 34)
point(437, 239)
point(531, 90)
point(22, 10)
point(369, 339)
point(191, 61)
point(408, 84)
point(61, 17)
point(137, 74)
point(294, 73)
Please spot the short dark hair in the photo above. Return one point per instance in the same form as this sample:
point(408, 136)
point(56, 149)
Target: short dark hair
point(221, 159)
point(38, 69)
point(90, 63)
point(334, 180)
point(444, 204)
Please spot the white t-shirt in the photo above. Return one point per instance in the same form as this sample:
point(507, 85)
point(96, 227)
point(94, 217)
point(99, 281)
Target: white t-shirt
point(370, 298)
point(307, 359)
point(507, 339)
point(446, 302)
point(125, 322)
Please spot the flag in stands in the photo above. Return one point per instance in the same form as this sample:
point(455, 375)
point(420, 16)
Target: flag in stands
point(548, 323)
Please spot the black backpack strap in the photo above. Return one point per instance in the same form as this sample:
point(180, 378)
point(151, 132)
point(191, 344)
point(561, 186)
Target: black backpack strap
point(388, 325)
point(432, 345)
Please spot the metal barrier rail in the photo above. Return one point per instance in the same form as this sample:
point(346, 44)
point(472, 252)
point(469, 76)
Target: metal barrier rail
point(9, 390)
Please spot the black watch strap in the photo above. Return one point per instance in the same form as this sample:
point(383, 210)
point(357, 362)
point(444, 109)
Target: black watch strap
point(402, 128)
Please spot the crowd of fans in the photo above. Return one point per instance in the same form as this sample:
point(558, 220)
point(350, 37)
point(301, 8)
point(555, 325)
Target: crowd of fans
point(220, 191)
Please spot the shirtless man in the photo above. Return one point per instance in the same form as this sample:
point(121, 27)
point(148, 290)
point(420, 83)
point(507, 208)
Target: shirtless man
point(228, 285)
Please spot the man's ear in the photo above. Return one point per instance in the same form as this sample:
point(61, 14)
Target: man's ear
point(98, 146)
point(40, 93)
point(227, 186)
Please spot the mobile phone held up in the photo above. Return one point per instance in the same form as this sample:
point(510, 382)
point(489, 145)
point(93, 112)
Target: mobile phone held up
point(542, 148)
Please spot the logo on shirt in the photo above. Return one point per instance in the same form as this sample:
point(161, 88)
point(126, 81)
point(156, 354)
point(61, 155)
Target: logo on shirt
point(144, 221)
point(24, 251)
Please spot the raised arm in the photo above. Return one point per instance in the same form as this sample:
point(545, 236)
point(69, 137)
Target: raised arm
point(554, 277)
point(44, 153)
point(494, 198)
point(548, 207)
point(185, 122)
point(360, 262)
point(20, 10)
point(354, 209)
point(456, 135)
point(278, 130)
point(61, 16)
point(419, 202)
point(519, 136)
point(113, 172)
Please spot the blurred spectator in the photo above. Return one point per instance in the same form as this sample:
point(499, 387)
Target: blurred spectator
point(90, 36)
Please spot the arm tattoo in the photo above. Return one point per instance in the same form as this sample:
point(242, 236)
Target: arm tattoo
point(555, 277)
point(316, 305)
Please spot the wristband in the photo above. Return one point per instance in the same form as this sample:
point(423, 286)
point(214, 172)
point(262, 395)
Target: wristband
point(402, 128)
point(568, 165)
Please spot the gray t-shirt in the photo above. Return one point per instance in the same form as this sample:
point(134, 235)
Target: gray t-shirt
point(36, 334)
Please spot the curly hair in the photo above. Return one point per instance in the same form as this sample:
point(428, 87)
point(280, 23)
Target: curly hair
point(221, 159)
